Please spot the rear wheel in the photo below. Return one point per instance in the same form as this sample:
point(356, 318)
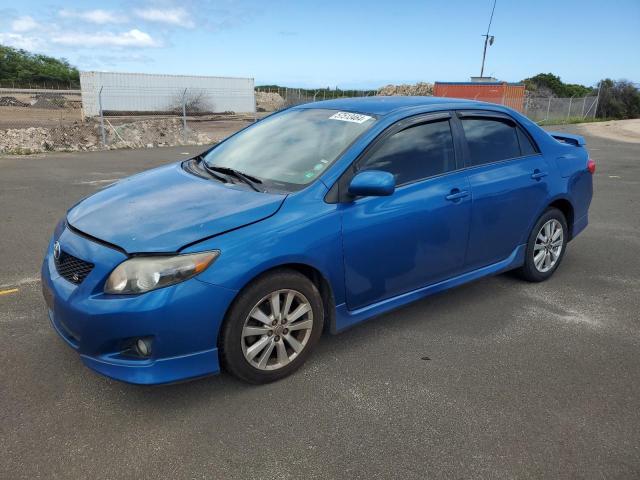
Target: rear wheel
point(272, 327)
point(546, 246)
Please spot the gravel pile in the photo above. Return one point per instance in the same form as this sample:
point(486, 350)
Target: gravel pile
point(154, 133)
point(420, 88)
point(49, 101)
point(83, 136)
point(269, 102)
point(12, 102)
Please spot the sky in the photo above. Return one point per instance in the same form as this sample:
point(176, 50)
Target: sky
point(329, 43)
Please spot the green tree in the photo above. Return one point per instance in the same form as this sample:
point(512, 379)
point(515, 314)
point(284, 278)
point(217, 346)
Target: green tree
point(618, 99)
point(23, 68)
point(549, 83)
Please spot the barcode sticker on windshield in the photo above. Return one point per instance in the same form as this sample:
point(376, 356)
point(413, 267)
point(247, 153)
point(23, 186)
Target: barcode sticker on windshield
point(350, 117)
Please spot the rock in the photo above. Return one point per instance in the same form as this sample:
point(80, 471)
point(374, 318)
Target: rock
point(86, 136)
point(269, 102)
point(420, 88)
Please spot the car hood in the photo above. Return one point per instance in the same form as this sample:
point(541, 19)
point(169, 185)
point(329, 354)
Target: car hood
point(164, 209)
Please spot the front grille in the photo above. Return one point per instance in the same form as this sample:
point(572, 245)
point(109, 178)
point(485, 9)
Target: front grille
point(71, 268)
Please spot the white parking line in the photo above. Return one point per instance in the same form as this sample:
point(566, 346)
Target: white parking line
point(97, 182)
point(19, 283)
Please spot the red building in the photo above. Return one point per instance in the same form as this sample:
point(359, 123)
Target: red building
point(508, 94)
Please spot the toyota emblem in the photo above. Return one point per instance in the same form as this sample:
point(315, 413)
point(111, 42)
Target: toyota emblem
point(56, 250)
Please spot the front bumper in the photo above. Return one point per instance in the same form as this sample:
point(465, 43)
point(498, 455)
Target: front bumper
point(182, 321)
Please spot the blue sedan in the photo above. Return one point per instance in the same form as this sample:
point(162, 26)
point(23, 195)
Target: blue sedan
point(315, 218)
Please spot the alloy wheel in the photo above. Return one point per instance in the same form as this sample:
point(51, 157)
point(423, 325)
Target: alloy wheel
point(548, 245)
point(277, 329)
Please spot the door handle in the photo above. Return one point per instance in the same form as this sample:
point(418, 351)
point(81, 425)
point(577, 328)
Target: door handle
point(456, 194)
point(537, 174)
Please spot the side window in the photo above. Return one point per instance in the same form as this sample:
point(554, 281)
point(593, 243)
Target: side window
point(526, 147)
point(415, 153)
point(490, 140)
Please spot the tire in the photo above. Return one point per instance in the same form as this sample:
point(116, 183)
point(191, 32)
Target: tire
point(534, 270)
point(243, 354)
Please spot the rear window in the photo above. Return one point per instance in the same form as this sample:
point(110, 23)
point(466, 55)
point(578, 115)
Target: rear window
point(490, 140)
point(526, 147)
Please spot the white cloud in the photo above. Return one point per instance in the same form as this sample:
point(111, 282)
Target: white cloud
point(24, 24)
point(94, 16)
point(108, 61)
point(17, 40)
point(171, 16)
point(132, 38)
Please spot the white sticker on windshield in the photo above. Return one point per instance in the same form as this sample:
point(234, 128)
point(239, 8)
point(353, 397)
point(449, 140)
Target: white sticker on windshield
point(350, 117)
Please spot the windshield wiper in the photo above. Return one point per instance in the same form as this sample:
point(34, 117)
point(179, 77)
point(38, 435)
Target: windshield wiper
point(211, 172)
point(246, 178)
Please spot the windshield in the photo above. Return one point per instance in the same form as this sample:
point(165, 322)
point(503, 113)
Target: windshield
point(292, 148)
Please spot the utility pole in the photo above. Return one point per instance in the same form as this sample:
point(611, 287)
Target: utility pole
point(488, 39)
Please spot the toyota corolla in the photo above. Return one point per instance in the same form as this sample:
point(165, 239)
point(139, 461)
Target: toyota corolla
point(315, 218)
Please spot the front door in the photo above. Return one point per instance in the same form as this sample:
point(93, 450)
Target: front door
point(418, 235)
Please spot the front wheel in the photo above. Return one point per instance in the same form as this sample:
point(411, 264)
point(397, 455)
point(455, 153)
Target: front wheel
point(271, 327)
point(546, 246)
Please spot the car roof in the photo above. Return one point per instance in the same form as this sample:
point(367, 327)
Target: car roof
point(383, 105)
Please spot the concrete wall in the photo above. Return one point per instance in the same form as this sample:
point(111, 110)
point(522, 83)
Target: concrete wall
point(138, 92)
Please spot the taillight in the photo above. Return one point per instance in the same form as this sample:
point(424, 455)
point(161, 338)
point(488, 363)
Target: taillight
point(591, 166)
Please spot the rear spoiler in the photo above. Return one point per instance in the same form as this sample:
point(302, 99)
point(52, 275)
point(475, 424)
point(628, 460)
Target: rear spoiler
point(562, 137)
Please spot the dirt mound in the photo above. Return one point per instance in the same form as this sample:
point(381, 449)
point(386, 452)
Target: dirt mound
point(420, 88)
point(81, 136)
point(269, 102)
point(49, 101)
point(152, 133)
point(616, 130)
point(52, 101)
point(12, 102)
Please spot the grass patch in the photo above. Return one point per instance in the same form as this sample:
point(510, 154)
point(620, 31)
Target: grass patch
point(571, 120)
point(20, 151)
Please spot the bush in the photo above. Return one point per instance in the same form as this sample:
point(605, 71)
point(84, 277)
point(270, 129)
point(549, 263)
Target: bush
point(544, 84)
point(22, 68)
point(618, 99)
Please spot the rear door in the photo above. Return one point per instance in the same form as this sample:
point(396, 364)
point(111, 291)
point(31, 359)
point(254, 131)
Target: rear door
point(418, 235)
point(508, 181)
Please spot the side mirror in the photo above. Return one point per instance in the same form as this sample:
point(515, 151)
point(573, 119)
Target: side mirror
point(372, 183)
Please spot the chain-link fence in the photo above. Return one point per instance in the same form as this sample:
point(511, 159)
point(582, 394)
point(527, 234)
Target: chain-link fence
point(538, 109)
point(550, 109)
point(553, 109)
point(196, 112)
point(42, 85)
point(114, 117)
point(130, 115)
point(38, 120)
point(24, 108)
point(277, 98)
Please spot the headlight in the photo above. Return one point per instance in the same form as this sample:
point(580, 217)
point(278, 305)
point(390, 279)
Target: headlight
point(141, 274)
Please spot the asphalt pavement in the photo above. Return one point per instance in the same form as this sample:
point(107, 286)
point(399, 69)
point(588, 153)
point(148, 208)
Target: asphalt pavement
point(496, 379)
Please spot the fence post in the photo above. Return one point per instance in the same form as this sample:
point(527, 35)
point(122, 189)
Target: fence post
point(570, 101)
point(548, 108)
point(584, 103)
point(595, 111)
point(184, 115)
point(104, 138)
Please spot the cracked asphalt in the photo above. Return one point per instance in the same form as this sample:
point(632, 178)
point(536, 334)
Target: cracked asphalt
point(496, 379)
